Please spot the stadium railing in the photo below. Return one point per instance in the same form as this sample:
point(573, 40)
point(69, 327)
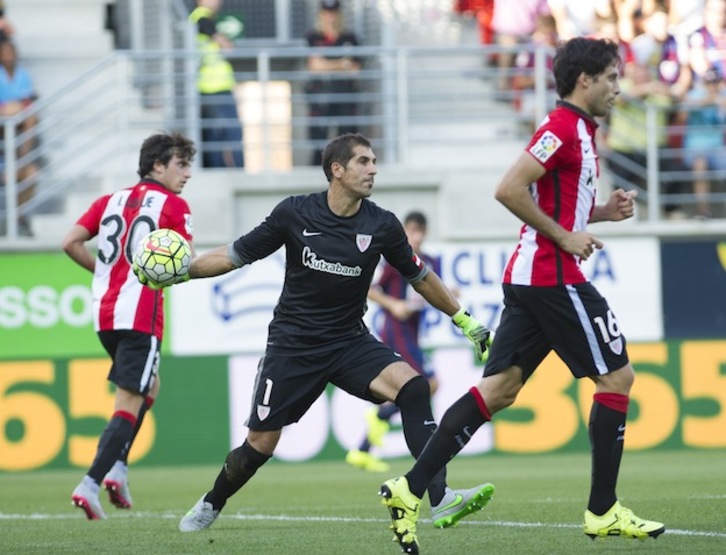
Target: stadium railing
point(413, 101)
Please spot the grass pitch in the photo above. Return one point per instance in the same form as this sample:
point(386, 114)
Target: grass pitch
point(331, 508)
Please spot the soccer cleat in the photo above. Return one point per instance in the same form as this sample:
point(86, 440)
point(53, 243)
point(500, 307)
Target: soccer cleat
point(85, 497)
point(620, 521)
point(403, 507)
point(377, 428)
point(117, 485)
point(456, 504)
point(200, 517)
point(366, 461)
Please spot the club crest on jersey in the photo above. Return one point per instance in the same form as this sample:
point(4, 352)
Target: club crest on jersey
point(363, 241)
point(263, 411)
point(545, 146)
point(616, 345)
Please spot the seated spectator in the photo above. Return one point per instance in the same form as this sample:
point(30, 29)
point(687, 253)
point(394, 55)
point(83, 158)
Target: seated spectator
point(17, 93)
point(703, 139)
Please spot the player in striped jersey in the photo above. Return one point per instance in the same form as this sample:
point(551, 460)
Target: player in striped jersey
point(129, 317)
point(548, 302)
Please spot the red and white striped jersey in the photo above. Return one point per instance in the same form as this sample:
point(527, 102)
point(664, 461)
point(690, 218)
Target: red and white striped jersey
point(121, 220)
point(565, 145)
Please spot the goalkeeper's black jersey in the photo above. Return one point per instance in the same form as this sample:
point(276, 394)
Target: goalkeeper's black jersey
point(330, 261)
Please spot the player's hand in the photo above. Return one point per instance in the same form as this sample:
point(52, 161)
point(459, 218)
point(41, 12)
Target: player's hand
point(580, 243)
point(475, 332)
point(143, 280)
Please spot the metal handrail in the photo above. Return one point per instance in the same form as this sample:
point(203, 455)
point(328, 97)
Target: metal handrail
point(411, 98)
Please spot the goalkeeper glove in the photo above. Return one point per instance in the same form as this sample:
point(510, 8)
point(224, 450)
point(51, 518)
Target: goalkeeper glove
point(475, 332)
point(143, 280)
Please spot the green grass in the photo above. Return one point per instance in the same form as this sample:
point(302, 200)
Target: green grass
point(330, 508)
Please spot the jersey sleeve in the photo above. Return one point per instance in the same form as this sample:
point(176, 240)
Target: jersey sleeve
point(177, 215)
point(399, 254)
point(266, 238)
point(91, 220)
point(548, 144)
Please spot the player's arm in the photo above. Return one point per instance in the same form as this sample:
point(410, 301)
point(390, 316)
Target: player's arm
point(74, 245)
point(438, 295)
point(513, 192)
point(620, 206)
point(213, 263)
point(398, 308)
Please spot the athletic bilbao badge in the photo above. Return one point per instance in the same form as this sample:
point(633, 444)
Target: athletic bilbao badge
point(616, 346)
point(363, 241)
point(263, 412)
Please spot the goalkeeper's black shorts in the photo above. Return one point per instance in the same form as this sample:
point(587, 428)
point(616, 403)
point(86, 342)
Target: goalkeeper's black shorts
point(287, 386)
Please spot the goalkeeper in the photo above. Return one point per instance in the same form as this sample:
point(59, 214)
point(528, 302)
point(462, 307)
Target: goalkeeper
point(333, 241)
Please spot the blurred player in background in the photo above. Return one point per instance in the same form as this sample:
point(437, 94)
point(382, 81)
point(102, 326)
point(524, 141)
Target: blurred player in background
point(402, 308)
point(333, 241)
point(548, 302)
point(128, 317)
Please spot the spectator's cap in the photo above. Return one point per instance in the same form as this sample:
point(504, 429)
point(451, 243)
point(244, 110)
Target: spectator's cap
point(330, 5)
point(713, 75)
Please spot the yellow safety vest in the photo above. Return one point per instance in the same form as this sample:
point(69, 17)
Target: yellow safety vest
point(216, 74)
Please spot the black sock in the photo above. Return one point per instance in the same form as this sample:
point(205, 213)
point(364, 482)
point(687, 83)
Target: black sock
point(414, 401)
point(607, 432)
point(113, 441)
point(148, 402)
point(240, 466)
point(459, 423)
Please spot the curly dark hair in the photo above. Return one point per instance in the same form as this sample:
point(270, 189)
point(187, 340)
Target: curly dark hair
point(582, 55)
point(161, 148)
point(340, 150)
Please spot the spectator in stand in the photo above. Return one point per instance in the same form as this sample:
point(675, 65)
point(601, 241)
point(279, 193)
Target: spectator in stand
point(703, 140)
point(6, 29)
point(483, 11)
point(577, 18)
point(707, 46)
point(17, 93)
point(628, 133)
point(684, 18)
point(523, 81)
point(332, 76)
point(513, 24)
point(221, 128)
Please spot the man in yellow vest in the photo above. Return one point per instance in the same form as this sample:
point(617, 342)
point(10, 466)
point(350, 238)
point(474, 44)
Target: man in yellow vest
point(221, 128)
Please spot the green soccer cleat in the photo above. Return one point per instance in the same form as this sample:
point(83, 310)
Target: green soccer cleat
point(403, 507)
point(620, 521)
point(366, 461)
point(377, 428)
point(456, 504)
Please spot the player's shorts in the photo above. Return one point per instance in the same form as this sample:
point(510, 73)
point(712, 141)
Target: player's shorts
point(574, 320)
point(287, 386)
point(135, 357)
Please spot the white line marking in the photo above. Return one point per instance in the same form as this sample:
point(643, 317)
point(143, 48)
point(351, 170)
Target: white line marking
point(291, 518)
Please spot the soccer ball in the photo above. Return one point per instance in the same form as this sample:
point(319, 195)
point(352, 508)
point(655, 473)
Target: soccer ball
point(163, 256)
